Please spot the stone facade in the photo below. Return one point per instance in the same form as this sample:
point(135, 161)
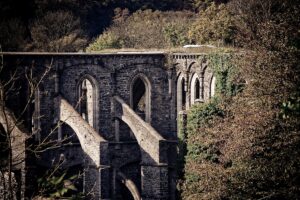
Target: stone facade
point(122, 110)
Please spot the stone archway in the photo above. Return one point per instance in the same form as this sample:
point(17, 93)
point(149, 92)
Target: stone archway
point(140, 96)
point(195, 89)
point(88, 98)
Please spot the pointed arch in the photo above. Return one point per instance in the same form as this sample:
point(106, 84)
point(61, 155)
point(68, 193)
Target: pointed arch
point(88, 99)
point(195, 88)
point(192, 66)
point(140, 96)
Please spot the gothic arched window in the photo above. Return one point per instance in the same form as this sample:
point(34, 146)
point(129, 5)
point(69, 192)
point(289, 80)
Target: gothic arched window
point(195, 89)
point(140, 99)
point(88, 100)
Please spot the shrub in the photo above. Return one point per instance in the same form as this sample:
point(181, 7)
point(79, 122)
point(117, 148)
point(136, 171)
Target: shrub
point(57, 31)
point(106, 40)
point(146, 29)
point(215, 25)
point(12, 35)
point(252, 151)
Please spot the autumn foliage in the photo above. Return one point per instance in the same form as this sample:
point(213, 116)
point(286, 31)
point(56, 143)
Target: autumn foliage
point(251, 151)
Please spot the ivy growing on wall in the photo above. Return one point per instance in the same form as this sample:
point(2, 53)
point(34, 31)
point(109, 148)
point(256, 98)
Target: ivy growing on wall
point(225, 72)
point(202, 115)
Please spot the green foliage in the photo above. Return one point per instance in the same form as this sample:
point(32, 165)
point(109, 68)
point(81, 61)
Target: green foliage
point(226, 73)
point(176, 34)
point(215, 25)
point(58, 185)
point(198, 5)
point(182, 139)
point(57, 31)
point(145, 29)
point(192, 178)
point(252, 150)
point(291, 107)
point(201, 114)
point(106, 41)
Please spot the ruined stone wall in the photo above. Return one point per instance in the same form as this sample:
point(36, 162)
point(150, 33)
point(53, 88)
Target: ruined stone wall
point(113, 75)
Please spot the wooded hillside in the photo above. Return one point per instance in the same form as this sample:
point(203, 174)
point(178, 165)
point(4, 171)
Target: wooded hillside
point(244, 143)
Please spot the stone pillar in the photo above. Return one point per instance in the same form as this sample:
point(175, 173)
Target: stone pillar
point(155, 182)
point(172, 98)
point(117, 133)
point(187, 91)
point(117, 130)
point(97, 176)
point(56, 80)
point(181, 125)
point(28, 172)
point(169, 72)
point(182, 147)
point(201, 80)
point(96, 182)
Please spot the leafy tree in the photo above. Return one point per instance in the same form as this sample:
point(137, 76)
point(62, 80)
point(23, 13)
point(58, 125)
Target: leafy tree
point(12, 34)
point(215, 25)
point(146, 29)
point(251, 152)
point(200, 5)
point(57, 31)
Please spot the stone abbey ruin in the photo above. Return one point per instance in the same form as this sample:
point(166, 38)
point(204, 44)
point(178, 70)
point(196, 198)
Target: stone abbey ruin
point(118, 112)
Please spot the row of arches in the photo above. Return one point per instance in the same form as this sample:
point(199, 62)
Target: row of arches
point(88, 104)
point(192, 91)
point(189, 90)
point(88, 93)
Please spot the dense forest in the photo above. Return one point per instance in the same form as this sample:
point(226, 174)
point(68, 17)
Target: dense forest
point(71, 25)
point(244, 143)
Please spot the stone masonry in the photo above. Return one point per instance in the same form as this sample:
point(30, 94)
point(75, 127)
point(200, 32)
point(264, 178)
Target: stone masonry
point(120, 111)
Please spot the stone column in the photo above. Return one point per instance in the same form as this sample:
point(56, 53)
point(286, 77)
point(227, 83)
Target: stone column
point(201, 80)
point(155, 182)
point(169, 72)
point(172, 98)
point(187, 91)
point(97, 176)
point(96, 182)
point(117, 130)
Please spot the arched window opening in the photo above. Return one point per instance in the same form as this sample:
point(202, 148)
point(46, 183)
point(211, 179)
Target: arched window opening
point(140, 98)
point(212, 86)
point(195, 89)
point(88, 100)
point(86, 104)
